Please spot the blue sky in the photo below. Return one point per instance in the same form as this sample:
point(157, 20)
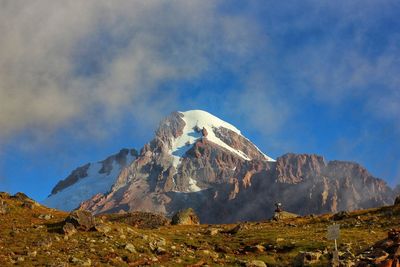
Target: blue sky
point(80, 81)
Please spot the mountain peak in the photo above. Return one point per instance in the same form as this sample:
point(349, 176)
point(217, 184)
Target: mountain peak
point(193, 125)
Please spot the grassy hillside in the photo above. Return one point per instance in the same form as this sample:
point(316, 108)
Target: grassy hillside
point(31, 235)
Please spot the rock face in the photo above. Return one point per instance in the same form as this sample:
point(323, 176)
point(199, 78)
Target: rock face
point(185, 217)
point(197, 160)
point(89, 180)
point(81, 220)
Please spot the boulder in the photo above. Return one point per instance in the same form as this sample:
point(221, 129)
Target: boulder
point(306, 258)
point(282, 215)
point(234, 230)
point(69, 229)
point(185, 217)
point(340, 215)
point(81, 220)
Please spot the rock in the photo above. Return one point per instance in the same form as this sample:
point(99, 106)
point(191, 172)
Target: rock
point(234, 230)
point(284, 215)
point(397, 200)
point(75, 260)
point(31, 253)
point(185, 217)
point(131, 248)
point(22, 197)
point(69, 229)
point(306, 258)
point(30, 205)
point(386, 263)
point(45, 243)
point(256, 248)
point(82, 220)
point(255, 263)
point(45, 216)
point(160, 251)
point(4, 195)
point(394, 235)
point(212, 231)
point(102, 228)
point(378, 256)
point(204, 132)
point(341, 215)
point(157, 246)
point(3, 207)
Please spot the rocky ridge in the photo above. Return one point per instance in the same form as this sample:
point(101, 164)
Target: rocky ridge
point(197, 160)
point(88, 180)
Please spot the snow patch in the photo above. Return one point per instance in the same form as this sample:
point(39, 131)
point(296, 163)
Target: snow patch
point(200, 119)
point(94, 183)
point(193, 185)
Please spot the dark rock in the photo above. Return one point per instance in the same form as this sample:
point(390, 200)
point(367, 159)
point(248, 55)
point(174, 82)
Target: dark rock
point(306, 258)
point(185, 217)
point(28, 205)
point(204, 132)
point(397, 200)
point(341, 215)
point(82, 220)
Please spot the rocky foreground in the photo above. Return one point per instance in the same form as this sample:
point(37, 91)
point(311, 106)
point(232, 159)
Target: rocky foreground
point(34, 235)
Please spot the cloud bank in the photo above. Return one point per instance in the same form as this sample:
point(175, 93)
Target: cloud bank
point(88, 62)
point(91, 61)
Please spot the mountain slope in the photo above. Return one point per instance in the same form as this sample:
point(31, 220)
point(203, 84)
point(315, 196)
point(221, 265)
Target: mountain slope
point(197, 160)
point(88, 180)
point(32, 235)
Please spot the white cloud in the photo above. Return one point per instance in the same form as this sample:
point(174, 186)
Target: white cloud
point(91, 61)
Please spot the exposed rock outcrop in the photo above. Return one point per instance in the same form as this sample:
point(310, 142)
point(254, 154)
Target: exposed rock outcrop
point(185, 217)
point(81, 220)
point(196, 160)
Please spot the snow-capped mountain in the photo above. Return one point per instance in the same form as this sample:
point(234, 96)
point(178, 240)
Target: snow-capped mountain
point(198, 160)
point(89, 180)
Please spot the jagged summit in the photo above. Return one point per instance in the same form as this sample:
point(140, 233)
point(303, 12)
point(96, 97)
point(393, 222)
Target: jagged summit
point(200, 161)
point(201, 124)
